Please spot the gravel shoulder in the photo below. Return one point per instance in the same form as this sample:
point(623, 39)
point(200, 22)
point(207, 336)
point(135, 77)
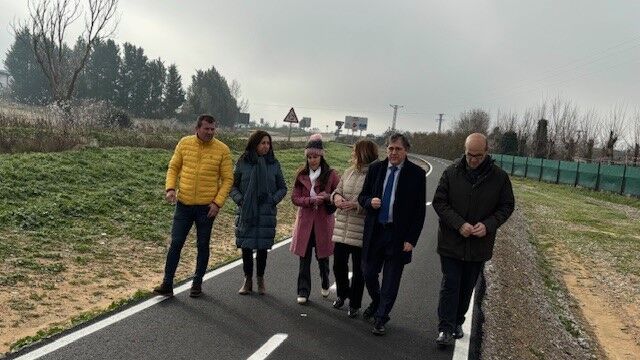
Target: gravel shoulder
point(554, 290)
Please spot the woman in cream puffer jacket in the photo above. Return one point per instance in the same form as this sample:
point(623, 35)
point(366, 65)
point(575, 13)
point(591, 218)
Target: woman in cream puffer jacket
point(349, 225)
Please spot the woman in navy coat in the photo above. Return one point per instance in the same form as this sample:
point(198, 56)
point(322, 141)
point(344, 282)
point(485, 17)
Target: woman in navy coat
point(258, 187)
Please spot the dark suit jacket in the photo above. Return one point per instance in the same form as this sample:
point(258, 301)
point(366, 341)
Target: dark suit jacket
point(409, 207)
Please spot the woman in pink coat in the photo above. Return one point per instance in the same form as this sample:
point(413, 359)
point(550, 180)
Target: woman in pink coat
point(313, 186)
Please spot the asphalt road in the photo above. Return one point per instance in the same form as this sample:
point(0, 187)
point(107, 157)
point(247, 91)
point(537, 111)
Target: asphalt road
point(224, 325)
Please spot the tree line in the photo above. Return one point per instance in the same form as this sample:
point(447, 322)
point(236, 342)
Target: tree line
point(554, 129)
point(122, 76)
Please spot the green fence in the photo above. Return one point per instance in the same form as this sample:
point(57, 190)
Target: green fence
point(621, 179)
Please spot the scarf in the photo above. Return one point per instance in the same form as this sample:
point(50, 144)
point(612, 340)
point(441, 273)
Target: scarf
point(255, 195)
point(313, 176)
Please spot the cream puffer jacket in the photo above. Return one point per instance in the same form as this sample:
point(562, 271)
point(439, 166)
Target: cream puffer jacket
point(350, 223)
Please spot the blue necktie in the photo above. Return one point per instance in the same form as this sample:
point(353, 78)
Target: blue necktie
point(383, 216)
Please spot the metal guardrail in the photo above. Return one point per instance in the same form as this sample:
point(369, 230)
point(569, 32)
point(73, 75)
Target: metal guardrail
point(621, 179)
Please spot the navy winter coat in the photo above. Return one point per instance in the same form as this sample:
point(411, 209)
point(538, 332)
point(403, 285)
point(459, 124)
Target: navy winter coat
point(262, 235)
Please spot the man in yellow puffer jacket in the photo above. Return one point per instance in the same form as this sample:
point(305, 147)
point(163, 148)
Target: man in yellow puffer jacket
point(203, 166)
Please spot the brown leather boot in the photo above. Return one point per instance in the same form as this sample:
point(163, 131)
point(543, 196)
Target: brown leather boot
point(247, 286)
point(261, 285)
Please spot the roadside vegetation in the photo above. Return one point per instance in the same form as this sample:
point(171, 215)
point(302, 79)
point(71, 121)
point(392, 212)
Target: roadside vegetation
point(589, 246)
point(85, 231)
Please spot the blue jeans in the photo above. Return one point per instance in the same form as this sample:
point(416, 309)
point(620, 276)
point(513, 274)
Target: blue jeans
point(183, 219)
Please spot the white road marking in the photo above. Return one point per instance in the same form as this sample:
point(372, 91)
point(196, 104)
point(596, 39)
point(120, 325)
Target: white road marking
point(268, 347)
point(430, 168)
point(79, 334)
point(461, 349)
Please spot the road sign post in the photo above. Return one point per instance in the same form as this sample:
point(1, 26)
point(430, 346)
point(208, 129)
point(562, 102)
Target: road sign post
point(291, 118)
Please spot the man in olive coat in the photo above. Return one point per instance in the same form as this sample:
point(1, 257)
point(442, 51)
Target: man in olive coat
point(474, 198)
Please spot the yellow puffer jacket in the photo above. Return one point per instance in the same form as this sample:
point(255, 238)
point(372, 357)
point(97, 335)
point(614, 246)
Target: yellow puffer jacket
point(205, 171)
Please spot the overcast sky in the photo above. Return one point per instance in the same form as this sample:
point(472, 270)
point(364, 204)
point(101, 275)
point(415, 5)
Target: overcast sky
point(335, 58)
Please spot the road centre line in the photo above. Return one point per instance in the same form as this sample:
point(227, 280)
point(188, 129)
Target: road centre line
point(266, 349)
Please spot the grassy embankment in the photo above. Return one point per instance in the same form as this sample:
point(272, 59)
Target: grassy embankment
point(84, 232)
point(590, 244)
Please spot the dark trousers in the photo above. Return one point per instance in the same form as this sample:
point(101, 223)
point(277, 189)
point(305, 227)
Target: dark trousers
point(458, 280)
point(247, 261)
point(383, 257)
point(183, 219)
point(304, 273)
point(354, 292)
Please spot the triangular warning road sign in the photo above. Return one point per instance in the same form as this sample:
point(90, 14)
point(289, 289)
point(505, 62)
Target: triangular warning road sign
point(291, 117)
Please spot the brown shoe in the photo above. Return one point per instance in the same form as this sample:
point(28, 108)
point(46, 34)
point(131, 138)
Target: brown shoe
point(261, 285)
point(247, 286)
point(164, 290)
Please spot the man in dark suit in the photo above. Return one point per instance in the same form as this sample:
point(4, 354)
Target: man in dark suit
point(474, 197)
point(394, 195)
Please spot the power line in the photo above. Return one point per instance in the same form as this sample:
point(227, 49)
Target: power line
point(555, 73)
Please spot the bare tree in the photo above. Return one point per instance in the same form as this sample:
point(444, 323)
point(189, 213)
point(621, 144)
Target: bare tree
point(243, 104)
point(612, 131)
point(507, 121)
point(563, 129)
point(636, 137)
point(476, 120)
point(588, 133)
point(50, 21)
point(525, 130)
point(569, 130)
point(541, 111)
point(555, 126)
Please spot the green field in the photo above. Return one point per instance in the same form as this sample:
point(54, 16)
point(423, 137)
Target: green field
point(95, 222)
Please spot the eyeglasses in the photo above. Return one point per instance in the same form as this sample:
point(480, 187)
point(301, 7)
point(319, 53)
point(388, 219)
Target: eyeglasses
point(395, 148)
point(474, 156)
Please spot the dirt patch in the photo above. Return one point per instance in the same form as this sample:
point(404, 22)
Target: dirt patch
point(556, 304)
point(613, 320)
point(41, 302)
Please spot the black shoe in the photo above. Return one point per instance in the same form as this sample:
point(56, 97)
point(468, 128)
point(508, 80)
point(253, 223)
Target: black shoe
point(196, 291)
point(445, 339)
point(353, 312)
point(338, 303)
point(458, 333)
point(369, 311)
point(378, 329)
point(164, 290)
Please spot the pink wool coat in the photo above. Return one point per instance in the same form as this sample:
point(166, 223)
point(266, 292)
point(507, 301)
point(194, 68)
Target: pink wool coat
point(309, 217)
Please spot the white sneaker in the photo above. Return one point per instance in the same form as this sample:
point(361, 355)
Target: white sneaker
point(324, 292)
point(302, 300)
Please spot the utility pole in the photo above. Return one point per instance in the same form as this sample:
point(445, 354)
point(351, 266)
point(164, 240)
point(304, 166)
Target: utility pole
point(395, 114)
point(440, 120)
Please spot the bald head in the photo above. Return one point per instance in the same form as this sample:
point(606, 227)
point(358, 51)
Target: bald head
point(475, 149)
point(476, 141)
